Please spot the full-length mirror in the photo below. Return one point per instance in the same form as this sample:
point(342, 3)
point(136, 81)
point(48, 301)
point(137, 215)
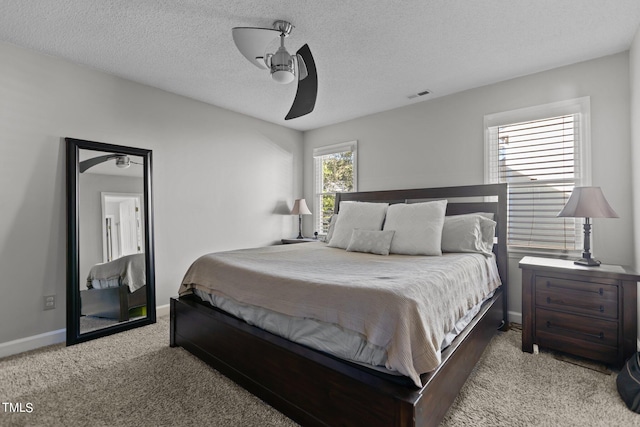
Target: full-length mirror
point(110, 260)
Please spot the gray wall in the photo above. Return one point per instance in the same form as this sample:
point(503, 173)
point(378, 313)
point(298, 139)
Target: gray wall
point(222, 180)
point(440, 142)
point(634, 71)
point(634, 78)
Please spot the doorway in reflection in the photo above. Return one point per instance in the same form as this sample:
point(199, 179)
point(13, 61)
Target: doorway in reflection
point(122, 232)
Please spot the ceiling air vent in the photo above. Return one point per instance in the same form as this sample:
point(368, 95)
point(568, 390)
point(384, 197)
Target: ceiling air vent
point(423, 93)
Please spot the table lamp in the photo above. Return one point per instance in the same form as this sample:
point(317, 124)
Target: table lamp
point(300, 208)
point(587, 202)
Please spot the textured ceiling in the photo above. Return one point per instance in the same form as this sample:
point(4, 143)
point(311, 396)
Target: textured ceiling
point(370, 56)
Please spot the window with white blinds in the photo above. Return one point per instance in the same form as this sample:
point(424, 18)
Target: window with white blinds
point(541, 160)
point(335, 171)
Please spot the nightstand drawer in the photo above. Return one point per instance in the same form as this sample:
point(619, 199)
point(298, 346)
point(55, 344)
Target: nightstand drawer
point(579, 328)
point(591, 298)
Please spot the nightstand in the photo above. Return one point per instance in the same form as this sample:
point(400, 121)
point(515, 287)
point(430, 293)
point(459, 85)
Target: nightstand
point(589, 312)
point(303, 240)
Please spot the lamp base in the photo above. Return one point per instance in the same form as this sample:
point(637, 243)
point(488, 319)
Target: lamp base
point(587, 262)
point(300, 236)
point(586, 259)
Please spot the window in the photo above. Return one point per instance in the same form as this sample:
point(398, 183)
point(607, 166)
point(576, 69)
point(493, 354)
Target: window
point(335, 172)
point(541, 153)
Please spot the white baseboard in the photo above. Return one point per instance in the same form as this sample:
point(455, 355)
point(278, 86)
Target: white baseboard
point(515, 317)
point(162, 310)
point(31, 343)
point(21, 345)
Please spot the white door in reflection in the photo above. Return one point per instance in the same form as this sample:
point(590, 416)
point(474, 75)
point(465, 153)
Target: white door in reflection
point(122, 225)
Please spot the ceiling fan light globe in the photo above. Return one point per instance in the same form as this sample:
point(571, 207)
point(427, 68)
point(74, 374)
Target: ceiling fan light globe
point(282, 76)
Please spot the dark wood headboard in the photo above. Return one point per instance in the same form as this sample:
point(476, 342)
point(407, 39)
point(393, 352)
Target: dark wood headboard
point(461, 200)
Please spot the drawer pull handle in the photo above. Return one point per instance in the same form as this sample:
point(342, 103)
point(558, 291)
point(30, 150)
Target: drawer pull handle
point(599, 336)
point(574, 305)
point(600, 291)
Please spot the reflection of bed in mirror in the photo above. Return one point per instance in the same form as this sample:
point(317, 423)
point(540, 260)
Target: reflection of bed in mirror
point(116, 289)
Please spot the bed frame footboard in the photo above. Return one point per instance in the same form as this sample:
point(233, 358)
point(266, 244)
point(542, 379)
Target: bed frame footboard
point(316, 389)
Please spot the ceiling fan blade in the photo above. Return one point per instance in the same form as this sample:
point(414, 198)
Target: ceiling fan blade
point(89, 163)
point(307, 92)
point(253, 42)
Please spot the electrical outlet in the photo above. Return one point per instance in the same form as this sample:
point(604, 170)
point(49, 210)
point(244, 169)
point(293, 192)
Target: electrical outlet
point(49, 302)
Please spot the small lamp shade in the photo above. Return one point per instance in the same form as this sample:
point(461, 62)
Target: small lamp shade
point(587, 202)
point(300, 208)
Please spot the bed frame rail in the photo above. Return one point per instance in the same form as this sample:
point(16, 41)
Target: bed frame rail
point(112, 303)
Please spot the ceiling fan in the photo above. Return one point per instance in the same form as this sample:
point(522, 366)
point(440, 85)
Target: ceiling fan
point(122, 161)
point(284, 68)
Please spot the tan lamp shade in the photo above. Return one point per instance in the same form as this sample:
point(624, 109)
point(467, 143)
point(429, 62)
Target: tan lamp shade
point(300, 208)
point(587, 202)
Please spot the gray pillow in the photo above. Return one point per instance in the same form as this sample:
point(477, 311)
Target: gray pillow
point(371, 241)
point(468, 233)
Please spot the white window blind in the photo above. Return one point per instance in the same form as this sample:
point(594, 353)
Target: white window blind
point(541, 160)
point(335, 170)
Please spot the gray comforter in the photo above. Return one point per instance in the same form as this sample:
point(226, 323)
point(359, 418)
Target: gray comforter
point(405, 304)
point(128, 270)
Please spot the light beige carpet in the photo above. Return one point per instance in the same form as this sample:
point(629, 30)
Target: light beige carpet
point(136, 379)
point(512, 388)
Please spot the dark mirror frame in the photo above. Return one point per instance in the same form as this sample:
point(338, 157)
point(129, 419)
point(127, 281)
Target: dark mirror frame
point(74, 336)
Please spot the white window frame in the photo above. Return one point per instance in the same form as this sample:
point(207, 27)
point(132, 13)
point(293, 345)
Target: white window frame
point(318, 153)
point(580, 106)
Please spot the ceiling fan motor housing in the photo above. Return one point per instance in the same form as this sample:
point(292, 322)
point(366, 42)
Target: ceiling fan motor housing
point(282, 67)
point(123, 161)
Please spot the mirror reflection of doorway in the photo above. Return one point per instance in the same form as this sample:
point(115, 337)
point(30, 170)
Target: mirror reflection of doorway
point(122, 231)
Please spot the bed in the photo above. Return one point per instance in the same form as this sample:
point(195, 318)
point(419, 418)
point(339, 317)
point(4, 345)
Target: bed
point(314, 387)
point(115, 288)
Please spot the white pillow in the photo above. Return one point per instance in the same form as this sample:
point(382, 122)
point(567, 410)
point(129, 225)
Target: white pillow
point(468, 233)
point(418, 227)
point(371, 241)
point(352, 215)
